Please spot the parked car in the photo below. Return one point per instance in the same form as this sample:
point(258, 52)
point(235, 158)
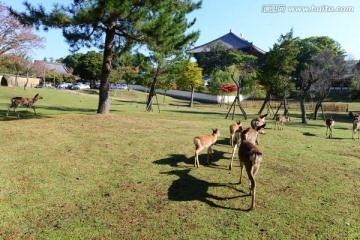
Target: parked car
point(119, 86)
point(62, 85)
point(78, 86)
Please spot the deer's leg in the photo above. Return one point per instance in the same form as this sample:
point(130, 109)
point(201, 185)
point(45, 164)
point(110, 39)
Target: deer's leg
point(196, 161)
point(34, 110)
point(7, 113)
point(232, 156)
point(241, 170)
point(209, 153)
point(250, 170)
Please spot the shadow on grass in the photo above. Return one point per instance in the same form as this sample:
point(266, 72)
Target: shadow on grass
point(190, 188)
point(309, 134)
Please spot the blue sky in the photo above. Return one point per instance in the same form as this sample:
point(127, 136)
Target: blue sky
point(260, 21)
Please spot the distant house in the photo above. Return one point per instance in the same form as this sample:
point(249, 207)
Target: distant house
point(59, 68)
point(231, 40)
point(352, 69)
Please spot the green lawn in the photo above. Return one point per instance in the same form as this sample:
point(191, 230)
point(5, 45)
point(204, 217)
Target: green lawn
point(69, 173)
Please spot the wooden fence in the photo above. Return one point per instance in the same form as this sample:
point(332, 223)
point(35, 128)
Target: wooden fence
point(295, 105)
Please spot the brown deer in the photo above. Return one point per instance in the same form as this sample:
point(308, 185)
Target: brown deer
point(250, 156)
point(20, 101)
point(250, 136)
point(260, 120)
point(205, 141)
point(280, 119)
point(356, 128)
point(233, 128)
point(329, 126)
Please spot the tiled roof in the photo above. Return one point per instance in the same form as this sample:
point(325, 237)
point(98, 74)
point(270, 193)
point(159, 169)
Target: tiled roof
point(60, 68)
point(230, 40)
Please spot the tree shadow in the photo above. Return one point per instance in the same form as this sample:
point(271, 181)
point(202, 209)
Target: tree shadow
point(190, 188)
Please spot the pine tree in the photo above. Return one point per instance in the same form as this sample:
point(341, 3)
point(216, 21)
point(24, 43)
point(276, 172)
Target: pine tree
point(121, 23)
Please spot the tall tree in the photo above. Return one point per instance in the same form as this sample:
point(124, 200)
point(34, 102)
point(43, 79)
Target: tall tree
point(114, 25)
point(325, 69)
point(16, 38)
point(312, 65)
point(277, 69)
point(89, 67)
point(190, 78)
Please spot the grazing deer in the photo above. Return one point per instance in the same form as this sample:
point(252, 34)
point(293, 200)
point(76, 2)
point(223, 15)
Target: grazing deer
point(205, 141)
point(356, 128)
point(329, 126)
point(250, 136)
point(20, 101)
point(280, 119)
point(250, 156)
point(233, 128)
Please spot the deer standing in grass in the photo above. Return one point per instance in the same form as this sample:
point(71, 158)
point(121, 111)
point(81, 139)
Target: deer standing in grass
point(20, 101)
point(233, 128)
point(260, 120)
point(280, 119)
point(250, 136)
point(250, 156)
point(356, 127)
point(205, 141)
point(329, 126)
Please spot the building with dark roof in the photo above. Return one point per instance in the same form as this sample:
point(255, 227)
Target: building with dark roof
point(231, 40)
point(59, 68)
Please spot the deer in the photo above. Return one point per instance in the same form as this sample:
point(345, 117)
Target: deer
point(329, 126)
point(280, 119)
point(205, 141)
point(356, 128)
point(233, 128)
point(250, 156)
point(21, 101)
point(260, 120)
point(251, 136)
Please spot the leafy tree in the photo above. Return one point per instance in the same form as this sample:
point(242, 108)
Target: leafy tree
point(89, 67)
point(14, 37)
point(311, 65)
point(72, 61)
point(218, 56)
point(278, 67)
point(114, 26)
point(189, 78)
point(218, 78)
point(325, 69)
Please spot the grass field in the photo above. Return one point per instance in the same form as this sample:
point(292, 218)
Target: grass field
point(69, 173)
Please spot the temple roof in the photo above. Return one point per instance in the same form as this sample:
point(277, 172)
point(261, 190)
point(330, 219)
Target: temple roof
point(59, 68)
point(231, 40)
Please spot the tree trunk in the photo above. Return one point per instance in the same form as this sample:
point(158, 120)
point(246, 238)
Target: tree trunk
point(303, 109)
point(319, 103)
point(192, 97)
point(149, 103)
point(104, 97)
point(286, 107)
point(267, 99)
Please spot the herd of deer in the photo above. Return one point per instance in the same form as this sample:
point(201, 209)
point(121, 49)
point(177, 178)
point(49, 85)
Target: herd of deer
point(246, 139)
